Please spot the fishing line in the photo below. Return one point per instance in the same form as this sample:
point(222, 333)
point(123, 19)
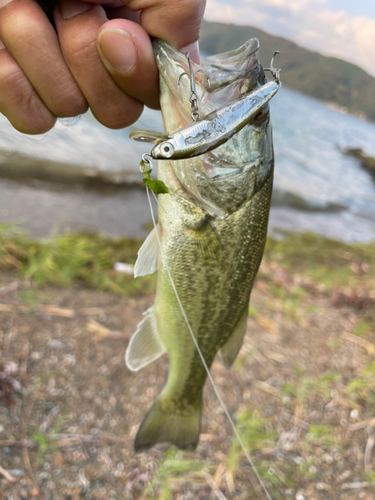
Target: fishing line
point(223, 405)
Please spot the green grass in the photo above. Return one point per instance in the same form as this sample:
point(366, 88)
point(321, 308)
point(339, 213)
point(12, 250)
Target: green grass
point(88, 259)
point(46, 440)
point(323, 260)
point(255, 434)
point(364, 327)
point(363, 386)
point(323, 435)
point(173, 466)
point(70, 258)
point(308, 387)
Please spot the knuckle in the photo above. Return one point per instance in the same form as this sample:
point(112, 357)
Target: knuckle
point(35, 127)
point(79, 49)
point(117, 116)
point(20, 103)
point(70, 102)
point(10, 77)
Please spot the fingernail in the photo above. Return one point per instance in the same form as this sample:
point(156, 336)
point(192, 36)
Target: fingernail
point(117, 50)
point(71, 8)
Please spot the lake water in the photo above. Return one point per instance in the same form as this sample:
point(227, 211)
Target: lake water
point(317, 187)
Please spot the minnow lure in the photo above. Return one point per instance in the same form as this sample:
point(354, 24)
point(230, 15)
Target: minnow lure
point(210, 131)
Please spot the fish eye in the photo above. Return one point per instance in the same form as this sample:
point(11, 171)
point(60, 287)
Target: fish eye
point(167, 150)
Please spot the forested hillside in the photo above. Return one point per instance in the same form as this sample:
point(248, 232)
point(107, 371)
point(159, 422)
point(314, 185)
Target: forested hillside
point(326, 78)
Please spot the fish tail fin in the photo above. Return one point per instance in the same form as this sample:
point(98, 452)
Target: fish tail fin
point(163, 425)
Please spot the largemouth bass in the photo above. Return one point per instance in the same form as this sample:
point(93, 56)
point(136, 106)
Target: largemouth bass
point(212, 230)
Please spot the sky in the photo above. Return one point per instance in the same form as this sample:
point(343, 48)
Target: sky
point(341, 28)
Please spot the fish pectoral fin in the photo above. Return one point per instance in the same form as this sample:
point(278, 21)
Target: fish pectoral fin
point(148, 254)
point(233, 345)
point(145, 345)
point(148, 136)
point(205, 238)
point(163, 425)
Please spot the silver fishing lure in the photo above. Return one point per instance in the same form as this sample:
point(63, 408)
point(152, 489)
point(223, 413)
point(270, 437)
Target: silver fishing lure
point(212, 130)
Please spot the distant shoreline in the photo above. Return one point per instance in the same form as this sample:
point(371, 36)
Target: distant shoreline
point(24, 169)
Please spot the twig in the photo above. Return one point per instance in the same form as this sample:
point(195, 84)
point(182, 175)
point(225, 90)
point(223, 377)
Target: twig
point(9, 288)
point(261, 359)
point(51, 417)
point(25, 417)
point(91, 311)
point(268, 388)
point(95, 327)
point(57, 311)
point(219, 473)
point(213, 486)
point(66, 440)
point(362, 424)
point(23, 364)
point(13, 442)
point(72, 439)
point(353, 486)
point(102, 332)
point(6, 308)
point(368, 346)
point(297, 421)
point(368, 450)
point(45, 309)
point(230, 482)
point(280, 358)
point(26, 461)
point(7, 476)
point(268, 325)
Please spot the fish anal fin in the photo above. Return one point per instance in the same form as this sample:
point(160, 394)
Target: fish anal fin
point(148, 254)
point(162, 425)
point(233, 345)
point(145, 345)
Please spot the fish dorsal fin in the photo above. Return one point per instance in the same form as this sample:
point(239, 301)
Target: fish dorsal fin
point(148, 254)
point(230, 350)
point(145, 345)
point(148, 136)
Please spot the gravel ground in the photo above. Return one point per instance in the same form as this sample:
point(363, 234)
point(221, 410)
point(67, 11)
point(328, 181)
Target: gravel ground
point(67, 430)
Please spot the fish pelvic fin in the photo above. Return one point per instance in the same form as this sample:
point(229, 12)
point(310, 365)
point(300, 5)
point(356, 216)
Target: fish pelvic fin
point(165, 424)
point(231, 348)
point(145, 345)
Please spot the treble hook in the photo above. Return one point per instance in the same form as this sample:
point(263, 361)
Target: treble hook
point(274, 71)
point(193, 99)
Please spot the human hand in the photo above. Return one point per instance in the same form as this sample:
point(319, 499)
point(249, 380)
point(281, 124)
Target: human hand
point(100, 56)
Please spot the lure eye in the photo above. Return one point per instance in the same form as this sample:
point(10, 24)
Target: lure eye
point(167, 149)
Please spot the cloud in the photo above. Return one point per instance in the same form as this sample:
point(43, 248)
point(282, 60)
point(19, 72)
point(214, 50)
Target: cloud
point(309, 23)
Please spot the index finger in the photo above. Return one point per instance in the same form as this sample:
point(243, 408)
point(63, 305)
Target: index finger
point(175, 21)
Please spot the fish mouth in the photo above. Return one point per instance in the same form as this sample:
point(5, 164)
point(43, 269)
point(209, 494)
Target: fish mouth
point(223, 179)
point(221, 79)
